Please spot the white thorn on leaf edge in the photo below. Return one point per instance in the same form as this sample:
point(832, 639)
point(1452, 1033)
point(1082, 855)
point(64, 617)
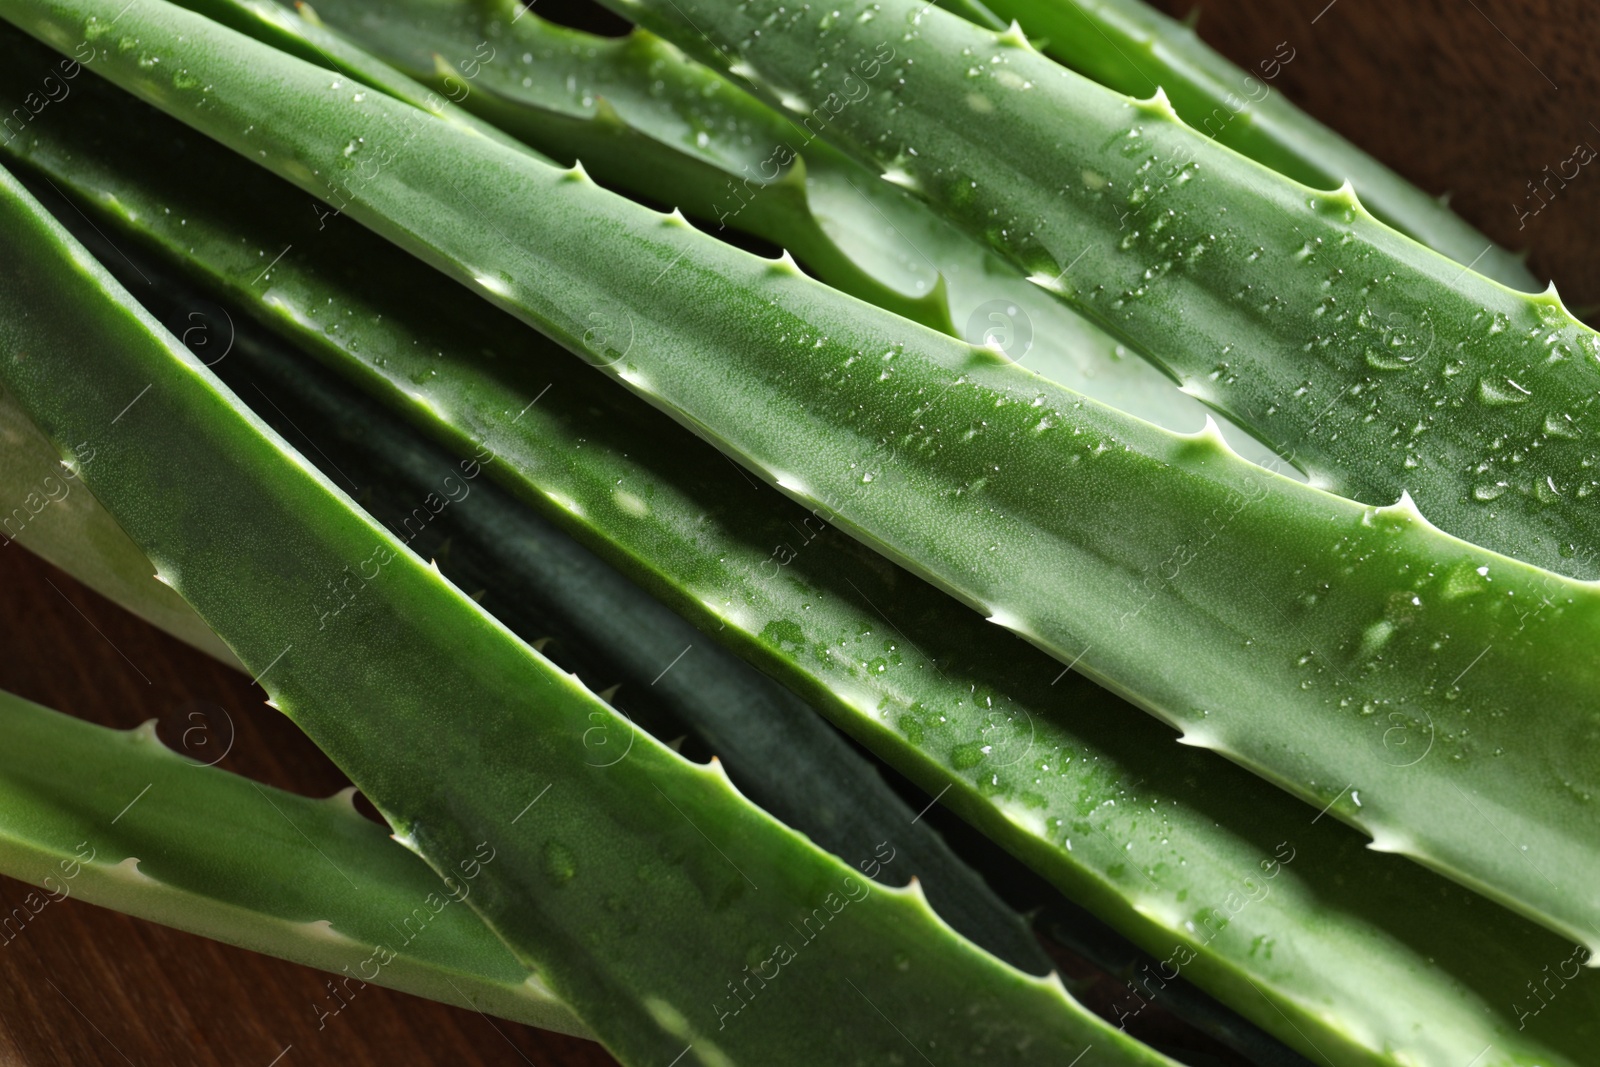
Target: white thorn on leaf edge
point(322, 930)
point(1013, 37)
point(345, 799)
point(784, 264)
point(1387, 840)
point(128, 870)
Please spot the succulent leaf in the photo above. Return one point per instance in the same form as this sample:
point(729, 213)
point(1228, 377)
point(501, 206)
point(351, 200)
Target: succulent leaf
point(637, 115)
point(470, 743)
point(1130, 46)
point(116, 818)
point(1373, 363)
point(885, 705)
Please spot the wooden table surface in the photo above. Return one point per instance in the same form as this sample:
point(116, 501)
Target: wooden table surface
point(1474, 97)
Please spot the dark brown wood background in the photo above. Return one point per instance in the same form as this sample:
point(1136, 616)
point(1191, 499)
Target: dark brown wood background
point(1470, 96)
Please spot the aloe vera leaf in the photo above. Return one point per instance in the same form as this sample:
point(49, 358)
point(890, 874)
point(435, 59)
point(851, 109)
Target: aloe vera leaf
point(51, 514)
point(118, 819)
point(457, 731)
point(779, 344)
point(826, 790)
point(637, 114)
point(643, 118)
point(1364, 953)
point(191, 213)
point(1377, 365)
point(731, 335)
point(1135, 49)
point(277, 26)
point(542, 583)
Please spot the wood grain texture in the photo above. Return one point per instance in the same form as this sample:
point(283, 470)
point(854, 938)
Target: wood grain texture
point(1472, 97)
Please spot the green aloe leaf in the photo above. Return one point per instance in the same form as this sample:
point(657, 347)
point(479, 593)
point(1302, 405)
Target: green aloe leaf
point(1376, 593)
point(1130, 46)
point(538, 581)
point(278, 26)
point(192, 215)
point(118, 819)
point(1366, 954)
point(642, 117)
point(470, 743)
point(542, 584)
point(1374, 364)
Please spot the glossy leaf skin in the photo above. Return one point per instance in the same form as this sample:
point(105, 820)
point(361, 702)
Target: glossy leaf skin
point(543, 584)
point(1130, 46)
point(1381, 594)
point(471, 744)
point(643, 118)
point(629, 79)
point(118, 819)
point(276, 25)
point(1384, 969)
point(1374, 364)
point(832, 620)
point(531, 576)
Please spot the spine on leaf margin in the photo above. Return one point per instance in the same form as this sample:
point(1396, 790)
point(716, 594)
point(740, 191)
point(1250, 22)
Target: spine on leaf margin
point(50, 514)
point(1386, 995)
point(1371, 362)
point(598, 877)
